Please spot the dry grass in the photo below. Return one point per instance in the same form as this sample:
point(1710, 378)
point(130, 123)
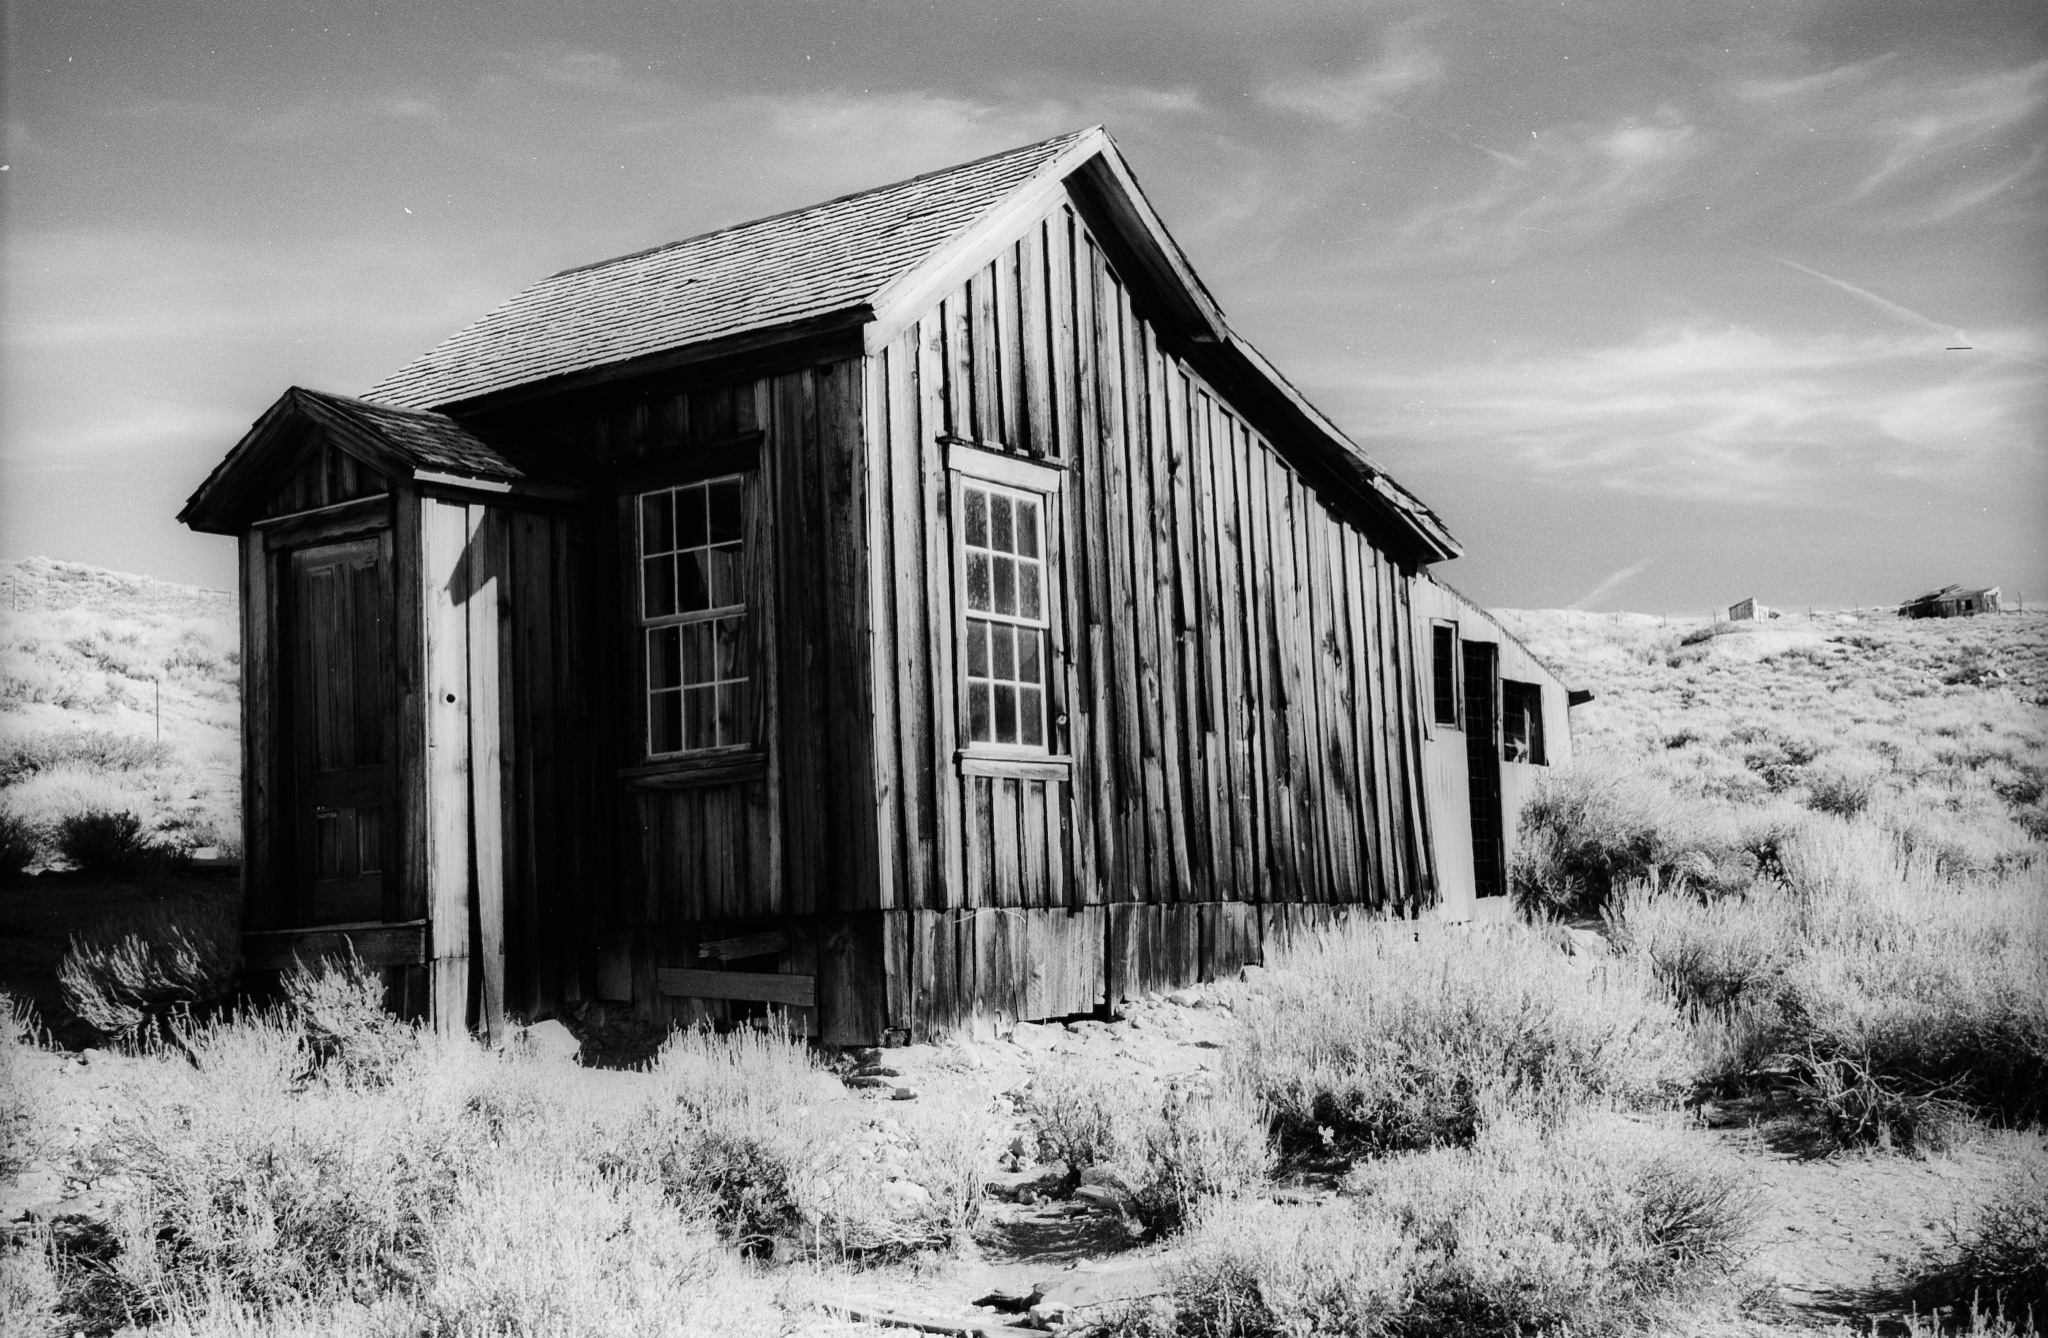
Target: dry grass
point(324, 1167)
point(1385, 1037)
point(1595, 1226)
point(136, 975)
point(1161, 1151)
point(85, 658)
point(1879, 786)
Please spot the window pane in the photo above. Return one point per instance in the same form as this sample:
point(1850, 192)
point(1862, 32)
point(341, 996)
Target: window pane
point(730, 704)
point(1030, 717)
point(732, 651)
point(977, 713)
point(696, 652)
point(1027, 590)
point(977, 648)
point(1003, 660)
point(690, 516)
point(695, 594)
point(664, 659)
point(699, 718)
point(657, 523)
point(977, 582)
point(1028, 642)
point(665, 722)
point(977, 517)
point(1027, 528)
point(1005, 713)
point(1004, 585)
point(725, 512)
point(1000, 537)
point(658, 586)
point(725, 576)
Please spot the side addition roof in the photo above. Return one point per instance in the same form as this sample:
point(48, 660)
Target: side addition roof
point(404, 444)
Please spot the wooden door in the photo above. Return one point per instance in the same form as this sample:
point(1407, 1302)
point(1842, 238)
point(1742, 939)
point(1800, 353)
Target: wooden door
point(1482, 767)
point(339, 671)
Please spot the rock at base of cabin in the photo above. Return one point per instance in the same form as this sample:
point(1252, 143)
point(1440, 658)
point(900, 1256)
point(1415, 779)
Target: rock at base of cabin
point(903, 1094)
point(549, 1041)
point(1184, 999)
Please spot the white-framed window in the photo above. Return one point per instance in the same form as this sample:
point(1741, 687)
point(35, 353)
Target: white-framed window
point(692, 614)
point(1007, 616)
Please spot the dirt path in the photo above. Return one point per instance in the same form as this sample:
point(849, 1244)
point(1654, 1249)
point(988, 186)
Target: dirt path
point(1836, 1229)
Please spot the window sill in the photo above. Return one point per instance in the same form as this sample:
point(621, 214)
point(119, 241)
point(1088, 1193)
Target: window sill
point(1014, 766)
point(724, 766)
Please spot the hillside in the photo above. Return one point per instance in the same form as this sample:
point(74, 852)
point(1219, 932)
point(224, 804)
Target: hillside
point(1938, 727)
point(118, 692)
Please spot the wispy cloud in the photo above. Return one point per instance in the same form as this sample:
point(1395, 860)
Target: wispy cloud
point(1613, 582)
point(1574, 182)
point(1349, 100)
point(1725, 412)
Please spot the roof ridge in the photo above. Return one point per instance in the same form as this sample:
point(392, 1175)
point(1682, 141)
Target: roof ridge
point(358, 401)
point(644, 251)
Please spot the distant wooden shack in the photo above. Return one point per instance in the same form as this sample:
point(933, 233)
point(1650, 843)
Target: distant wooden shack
point(1951, 601)
point(916, 607)
point(1743, 610)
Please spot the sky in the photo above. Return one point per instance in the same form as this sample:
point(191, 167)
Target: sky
point(1659, 303)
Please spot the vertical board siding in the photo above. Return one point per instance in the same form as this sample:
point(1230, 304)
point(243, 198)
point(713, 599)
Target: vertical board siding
point(1231, 672)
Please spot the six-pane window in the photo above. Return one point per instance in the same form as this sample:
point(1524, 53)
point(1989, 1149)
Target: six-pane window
point(693, 612)
point(1002, 539)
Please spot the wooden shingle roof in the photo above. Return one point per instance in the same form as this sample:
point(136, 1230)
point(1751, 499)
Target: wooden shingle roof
point(403, 444)
point(767, 273)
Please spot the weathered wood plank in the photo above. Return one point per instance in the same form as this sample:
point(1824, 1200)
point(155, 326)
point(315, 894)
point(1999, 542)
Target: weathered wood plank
point(1190, 692)
point(881, 405)
point(941, 334)
point(763, 944)
point(372, 944)
point(483, 574)
point(756, 986)
point(444, 528)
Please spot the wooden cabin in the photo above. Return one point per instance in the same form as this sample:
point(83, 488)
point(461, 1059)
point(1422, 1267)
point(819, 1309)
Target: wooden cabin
point(1951, 601)
point(914, 608)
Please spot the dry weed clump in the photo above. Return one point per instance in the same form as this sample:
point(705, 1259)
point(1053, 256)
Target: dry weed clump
point(1591, 1227)
point(750, 1132)
point(300, 1169)
point(1390, 1036)
point(1160, 1151)
point(1908, 1000)
point(135, 976)
point(1997, 1261)
point(18, 845)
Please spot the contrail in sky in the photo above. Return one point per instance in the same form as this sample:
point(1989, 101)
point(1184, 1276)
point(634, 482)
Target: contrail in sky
point(1882, 303)
point(1904, 313)
point(1611, 584)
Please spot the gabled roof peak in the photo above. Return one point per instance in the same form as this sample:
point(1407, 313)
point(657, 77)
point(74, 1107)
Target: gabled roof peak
point(1049, 147)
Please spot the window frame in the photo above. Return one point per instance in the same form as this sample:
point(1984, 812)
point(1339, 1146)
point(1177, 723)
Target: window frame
point(1529, 697)
point(747, 760)
point(973, 464)
point(1457, 665)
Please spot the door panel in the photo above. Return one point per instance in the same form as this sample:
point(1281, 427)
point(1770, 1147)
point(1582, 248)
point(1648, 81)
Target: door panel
point(340, 677)
point(1482, 763)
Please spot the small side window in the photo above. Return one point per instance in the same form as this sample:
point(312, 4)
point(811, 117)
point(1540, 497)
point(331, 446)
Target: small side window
point(1522, 722)
point(1444, 672)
